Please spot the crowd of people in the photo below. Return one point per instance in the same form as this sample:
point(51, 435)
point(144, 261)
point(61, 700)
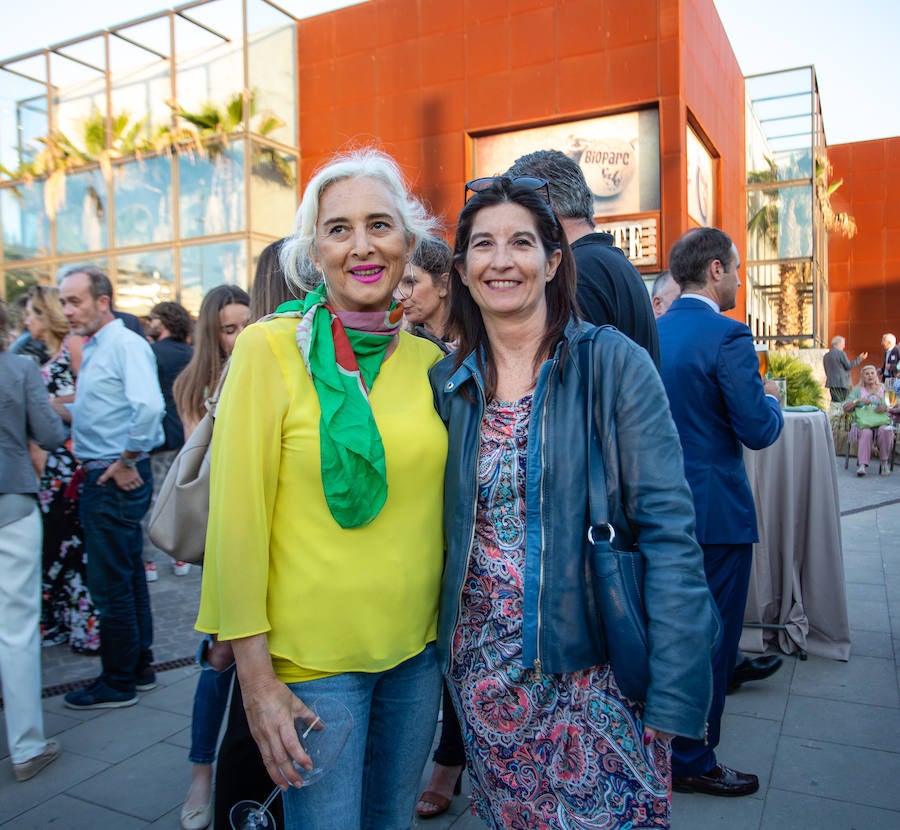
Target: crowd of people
point(405, 445)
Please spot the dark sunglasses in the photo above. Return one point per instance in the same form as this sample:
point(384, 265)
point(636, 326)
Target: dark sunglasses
point(528, 182)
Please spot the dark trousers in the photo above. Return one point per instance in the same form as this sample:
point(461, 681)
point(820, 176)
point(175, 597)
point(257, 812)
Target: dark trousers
point(111, 520)
point(728, 575)
point(240, 772)
point(450, 751)
point(838, 393)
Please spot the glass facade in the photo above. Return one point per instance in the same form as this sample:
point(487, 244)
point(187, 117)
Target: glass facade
point(786, 252)
point(164, 150)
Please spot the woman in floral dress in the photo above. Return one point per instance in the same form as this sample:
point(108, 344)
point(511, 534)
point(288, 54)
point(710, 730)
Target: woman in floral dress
point(68, 615)
point(551, 741)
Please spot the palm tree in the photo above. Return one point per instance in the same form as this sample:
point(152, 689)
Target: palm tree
point(780, 219)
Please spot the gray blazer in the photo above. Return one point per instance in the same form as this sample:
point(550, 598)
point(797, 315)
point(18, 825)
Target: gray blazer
point(25, 414)
point(837, 368)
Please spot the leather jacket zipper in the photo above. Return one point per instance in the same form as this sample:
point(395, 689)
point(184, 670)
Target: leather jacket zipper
point(474, 519)
point(537, 659)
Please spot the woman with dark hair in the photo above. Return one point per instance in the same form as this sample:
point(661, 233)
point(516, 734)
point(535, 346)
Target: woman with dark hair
point(224, 313)
point(67, 615)
point(425, 291)
point(551, 741)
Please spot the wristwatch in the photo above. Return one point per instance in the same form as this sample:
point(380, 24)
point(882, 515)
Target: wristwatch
point(130, 463)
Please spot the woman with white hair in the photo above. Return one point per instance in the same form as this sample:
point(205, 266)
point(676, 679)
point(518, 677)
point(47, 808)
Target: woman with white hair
point(324, 545)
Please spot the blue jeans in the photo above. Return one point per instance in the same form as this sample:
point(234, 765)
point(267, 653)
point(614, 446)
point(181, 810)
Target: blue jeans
point(210, 701)
point(111, 520)
point(374, 784)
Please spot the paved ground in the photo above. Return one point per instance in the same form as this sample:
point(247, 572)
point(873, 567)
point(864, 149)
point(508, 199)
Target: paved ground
point(822, 735)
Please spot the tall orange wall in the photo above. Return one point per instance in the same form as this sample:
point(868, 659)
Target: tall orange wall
point(417, 76)
point(864, 272)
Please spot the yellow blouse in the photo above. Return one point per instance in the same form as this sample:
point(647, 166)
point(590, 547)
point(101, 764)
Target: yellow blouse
point(330, 599)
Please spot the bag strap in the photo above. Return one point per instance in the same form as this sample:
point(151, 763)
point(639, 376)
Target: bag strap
point(598, 505)
point(212, 402)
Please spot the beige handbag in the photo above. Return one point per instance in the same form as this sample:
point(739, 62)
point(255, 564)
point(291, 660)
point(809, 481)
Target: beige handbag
point(178, 520)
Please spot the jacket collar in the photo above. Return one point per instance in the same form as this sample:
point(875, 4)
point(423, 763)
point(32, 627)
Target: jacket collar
point(575, 330)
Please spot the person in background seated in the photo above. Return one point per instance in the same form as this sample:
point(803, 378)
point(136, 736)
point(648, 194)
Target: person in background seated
point(867, 404)
point(27, 416)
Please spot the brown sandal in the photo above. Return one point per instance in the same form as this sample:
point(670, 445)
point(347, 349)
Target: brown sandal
point(441, 802)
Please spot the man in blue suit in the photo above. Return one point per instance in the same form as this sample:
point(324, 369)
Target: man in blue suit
point(719, 404)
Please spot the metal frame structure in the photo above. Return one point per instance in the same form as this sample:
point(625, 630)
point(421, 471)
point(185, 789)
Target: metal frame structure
point(55, 63)
point(788, 123)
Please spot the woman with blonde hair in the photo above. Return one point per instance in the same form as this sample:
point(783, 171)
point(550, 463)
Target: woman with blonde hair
point(68, 615)
point(871, 421)
point(324, 551)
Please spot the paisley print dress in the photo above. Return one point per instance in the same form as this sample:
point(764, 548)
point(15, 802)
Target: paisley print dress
point(67, 615)
point(550, 750)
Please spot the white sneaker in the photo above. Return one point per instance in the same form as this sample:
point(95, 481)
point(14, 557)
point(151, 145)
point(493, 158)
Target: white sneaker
point(860, 470)
point(181, 568)
point(884, 469)
point(150, 571)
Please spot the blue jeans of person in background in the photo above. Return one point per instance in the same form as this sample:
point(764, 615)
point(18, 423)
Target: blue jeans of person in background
point(375, 782)
point(210, 701)
point(113, 542)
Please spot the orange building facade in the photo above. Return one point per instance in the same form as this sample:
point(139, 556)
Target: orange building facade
point(434, 83)
point(864, 272)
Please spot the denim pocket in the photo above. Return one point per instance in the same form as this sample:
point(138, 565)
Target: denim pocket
point(132, 504)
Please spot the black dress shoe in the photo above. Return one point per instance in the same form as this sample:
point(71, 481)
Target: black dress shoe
point(759, 668)
point(720, 780)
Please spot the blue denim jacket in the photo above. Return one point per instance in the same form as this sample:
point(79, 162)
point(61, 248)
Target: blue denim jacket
point(649, 503)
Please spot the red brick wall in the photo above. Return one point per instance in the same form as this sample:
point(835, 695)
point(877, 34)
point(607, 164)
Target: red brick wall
point(864, 272)
point(417, 76)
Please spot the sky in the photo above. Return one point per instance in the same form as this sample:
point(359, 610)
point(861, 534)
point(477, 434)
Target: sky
point(852, 45)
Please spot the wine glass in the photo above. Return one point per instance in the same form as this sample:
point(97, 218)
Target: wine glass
point(890, 396)
point(322, 740)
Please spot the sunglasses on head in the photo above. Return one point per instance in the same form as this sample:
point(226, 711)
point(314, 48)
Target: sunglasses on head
point(542, 186)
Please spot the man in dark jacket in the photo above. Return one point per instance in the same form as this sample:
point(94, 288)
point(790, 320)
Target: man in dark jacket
point(719, 404)
point(169, 327)
point(609, 288)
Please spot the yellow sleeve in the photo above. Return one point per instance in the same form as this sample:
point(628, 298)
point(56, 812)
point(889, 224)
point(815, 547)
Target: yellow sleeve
point(246, 455)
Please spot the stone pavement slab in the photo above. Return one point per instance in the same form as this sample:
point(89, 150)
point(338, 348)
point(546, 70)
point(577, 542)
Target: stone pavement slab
point(822, 735)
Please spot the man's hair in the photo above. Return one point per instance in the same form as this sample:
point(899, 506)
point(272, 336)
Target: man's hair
point(100, 285)
point(888, 336)
point(837, 340)
point(692, 254)
point(660, 281)
point(175, 318)
point(570, 196)
point(433, 256)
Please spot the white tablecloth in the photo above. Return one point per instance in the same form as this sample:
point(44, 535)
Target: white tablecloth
point(798, 569)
